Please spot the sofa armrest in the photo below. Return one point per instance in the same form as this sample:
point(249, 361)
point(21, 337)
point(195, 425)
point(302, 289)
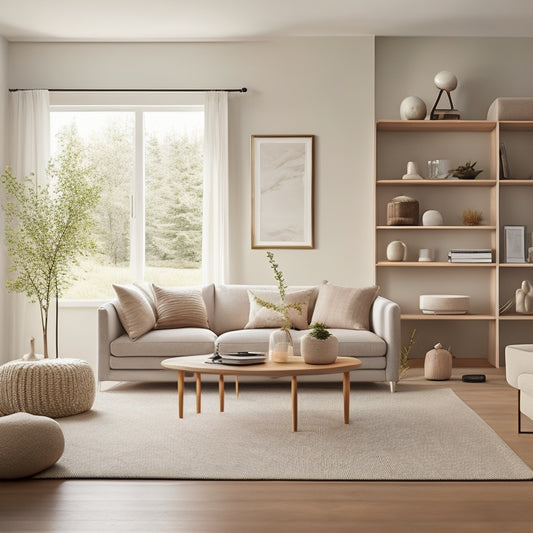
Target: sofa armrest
point(109, 329)
point(518, 360)
point(385, 322)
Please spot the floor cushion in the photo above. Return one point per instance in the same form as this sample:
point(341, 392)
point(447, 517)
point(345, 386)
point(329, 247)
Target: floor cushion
point(28, 444)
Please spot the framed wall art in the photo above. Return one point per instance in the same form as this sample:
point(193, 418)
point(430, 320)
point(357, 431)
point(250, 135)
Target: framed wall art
point(282, 191)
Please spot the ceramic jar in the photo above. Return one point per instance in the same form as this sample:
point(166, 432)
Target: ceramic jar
point(432, 218)
point(438, 364)
point(396, 251)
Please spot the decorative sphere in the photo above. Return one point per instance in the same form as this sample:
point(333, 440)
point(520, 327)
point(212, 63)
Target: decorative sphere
point(445, 80)
point(412, 108)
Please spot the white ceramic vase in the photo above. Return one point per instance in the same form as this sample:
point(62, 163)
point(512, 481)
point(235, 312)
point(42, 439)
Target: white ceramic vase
point(319, 351)
point(432, 218)
point(396, 251)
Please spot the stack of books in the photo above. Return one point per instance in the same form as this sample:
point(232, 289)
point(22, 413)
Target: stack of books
point(470, 255)
point(242, 358)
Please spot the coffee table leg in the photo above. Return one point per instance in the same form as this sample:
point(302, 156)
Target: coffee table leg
point(181, 386)
point(221, 391)
point(236, 386)
point(346, 394)
point(294, 397)
point(198, 392)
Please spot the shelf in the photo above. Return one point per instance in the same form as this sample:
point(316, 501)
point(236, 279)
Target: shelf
point(436, 125)
point(516, 265)
point(466, 316)
point(502, 201)
point(516, 125)
point(444, 183)
point(512, 182)
point(432, 264)
point(425, 228)
point(515, 316)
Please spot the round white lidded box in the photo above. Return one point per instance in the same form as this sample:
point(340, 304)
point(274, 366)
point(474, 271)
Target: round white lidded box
point(444, 304)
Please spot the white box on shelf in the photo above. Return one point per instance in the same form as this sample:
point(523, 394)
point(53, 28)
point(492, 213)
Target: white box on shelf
point(514, 242)
point(444, 304)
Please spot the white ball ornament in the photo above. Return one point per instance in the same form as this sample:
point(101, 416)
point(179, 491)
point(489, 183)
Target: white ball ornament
point(445, 80)
point(412, 108)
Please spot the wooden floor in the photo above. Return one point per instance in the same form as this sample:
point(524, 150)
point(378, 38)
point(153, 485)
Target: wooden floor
point(257, 507)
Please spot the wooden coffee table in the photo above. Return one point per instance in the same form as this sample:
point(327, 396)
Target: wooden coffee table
point(295, 367)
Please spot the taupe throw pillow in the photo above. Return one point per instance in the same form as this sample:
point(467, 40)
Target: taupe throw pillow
point(344, 307)
point(134, 310)
point(262, 317)
point(179, 308)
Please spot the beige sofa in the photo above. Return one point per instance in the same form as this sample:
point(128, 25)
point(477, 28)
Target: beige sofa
point(231, 329)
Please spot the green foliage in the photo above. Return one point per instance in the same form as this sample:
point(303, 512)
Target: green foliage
point(48, 228)
point(283, 308)
point(319, 331)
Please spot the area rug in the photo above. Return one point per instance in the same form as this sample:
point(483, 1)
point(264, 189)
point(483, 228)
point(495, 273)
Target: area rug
point(133, 431)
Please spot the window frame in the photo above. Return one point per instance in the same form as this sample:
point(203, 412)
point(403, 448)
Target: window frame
point(137, 103)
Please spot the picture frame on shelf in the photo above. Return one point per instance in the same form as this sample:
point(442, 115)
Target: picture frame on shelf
point(282, 191)
point(514, 243)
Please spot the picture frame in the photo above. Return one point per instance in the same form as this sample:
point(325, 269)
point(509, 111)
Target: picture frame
point(282, 191)
point(514, 240)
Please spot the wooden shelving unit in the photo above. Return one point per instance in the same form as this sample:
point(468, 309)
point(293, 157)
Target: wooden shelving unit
point(482, 331)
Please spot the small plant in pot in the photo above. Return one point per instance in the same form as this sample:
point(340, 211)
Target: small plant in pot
point(319, 346)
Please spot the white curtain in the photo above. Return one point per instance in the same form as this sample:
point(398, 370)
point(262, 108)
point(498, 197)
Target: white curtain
point(29, 151)
point(30, 133)
point(215, 220)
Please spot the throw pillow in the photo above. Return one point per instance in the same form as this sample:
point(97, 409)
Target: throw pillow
point(134, 311)
point(179, 308)
point(261, 317)
point(344, 307)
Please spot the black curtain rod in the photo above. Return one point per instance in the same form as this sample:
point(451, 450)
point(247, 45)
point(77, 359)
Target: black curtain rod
point(242, 90)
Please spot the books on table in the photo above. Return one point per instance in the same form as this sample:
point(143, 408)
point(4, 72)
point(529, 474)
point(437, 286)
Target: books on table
point(242, 358)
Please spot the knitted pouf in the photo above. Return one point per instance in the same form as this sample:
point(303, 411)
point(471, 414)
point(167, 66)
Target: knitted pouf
point(28, 444)
point(48, 387)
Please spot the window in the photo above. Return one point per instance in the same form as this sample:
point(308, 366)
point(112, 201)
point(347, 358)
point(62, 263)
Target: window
point(149, 221)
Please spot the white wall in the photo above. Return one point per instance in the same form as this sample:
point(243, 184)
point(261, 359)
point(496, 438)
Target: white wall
point(320, 86)
point(485, 68)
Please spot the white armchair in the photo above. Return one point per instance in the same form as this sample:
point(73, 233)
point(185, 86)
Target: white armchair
point(519, 374)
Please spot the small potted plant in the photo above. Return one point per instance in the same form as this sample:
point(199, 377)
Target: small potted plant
point(319, 346)
point(466, 171)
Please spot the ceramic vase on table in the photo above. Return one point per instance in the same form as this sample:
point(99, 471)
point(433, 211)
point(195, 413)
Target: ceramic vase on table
point(280, 346)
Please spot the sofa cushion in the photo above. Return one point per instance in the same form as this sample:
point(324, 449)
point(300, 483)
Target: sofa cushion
point(166, 342)
point(232, 305)
point(252, 340)
point(359, 343)
point(179, 308)
point(262, 317)
point(134, 310)
point(352, 343)
point(344, 307)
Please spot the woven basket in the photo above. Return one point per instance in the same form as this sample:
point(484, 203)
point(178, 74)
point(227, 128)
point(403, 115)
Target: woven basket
point(402, 211)
point(48, 387)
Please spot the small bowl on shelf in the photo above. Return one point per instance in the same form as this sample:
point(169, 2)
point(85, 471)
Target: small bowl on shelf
point(466, 174)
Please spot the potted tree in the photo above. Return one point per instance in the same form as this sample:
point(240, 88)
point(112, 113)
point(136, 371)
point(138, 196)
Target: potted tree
point(319, 346)
point(48, 228)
